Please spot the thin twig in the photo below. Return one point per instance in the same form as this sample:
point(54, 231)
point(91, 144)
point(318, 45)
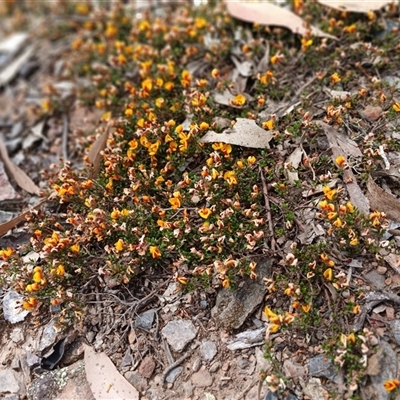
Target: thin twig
point(64, 146)
point(173, 365)
point(267, 206)
point(247, 388)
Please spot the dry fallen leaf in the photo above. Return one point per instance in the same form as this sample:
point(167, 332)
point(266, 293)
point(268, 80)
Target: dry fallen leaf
point(355, 6)
point(338, 139)
point(4, 228)
point(96, 149)
point(244, 133)
point(291, 165)
point(7, 190)
point(266, 13)
point(394, 261)
point(372, 113)
point(8, 73)
point(383, 201)
point(23, 180)
point(106, 383)
point(341, 145)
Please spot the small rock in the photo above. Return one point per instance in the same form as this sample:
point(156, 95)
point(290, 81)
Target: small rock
point(378, 281)
point(172, 375)
point(48, 337)
point(15, 363)
point(225, 366)
point(187, 389)
point(147, 367)
point(132, 337)
point(243, 363)
point(12, 307)
point(10, 382)
point(145, 320)
point(202, 378)
point(136, 380)
point(232, 307)
point(179, 333)
point(215, 367)
point(262, 362)
point(208, 350)
point(196, 364)
point(381, 270)
point(293, 370)
point(320, 366)
point(17, 335)
point(127, 359)
point(395, 327)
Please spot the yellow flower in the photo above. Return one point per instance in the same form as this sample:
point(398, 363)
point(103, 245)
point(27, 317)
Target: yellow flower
point(203, 126)
point(396, 107)
point(391, 385)
point(230, 177)
point(329, 193)
point(155, 252)
point(60, 270)
point(6, 253)
point(274, 328)
point(335, 78)
point(205, 212)
point(238, 101)
point(38, 275)
point(226, 283)
point(349, 29)
point(75, 248)
point(251, 160)
point(328, 274)
point(30, 303)
point(215, 73)
point(340, 160)
point(338, 223)
point(350, 207)
point(354, 242)
point(270, 124)
point(175, 202)
point(306, 308)
point(119, 246)
point(272, 317)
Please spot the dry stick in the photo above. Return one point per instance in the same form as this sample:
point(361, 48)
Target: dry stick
point(267, 205)
point(64, 146)
point(247, 388)
point(173, 365)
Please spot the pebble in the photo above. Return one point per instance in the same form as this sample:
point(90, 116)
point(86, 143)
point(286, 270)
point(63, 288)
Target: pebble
point(202, 378)
point(179, 333)
point(196, 364)
point(215, 367)
point(381, 270)
point(208, 350)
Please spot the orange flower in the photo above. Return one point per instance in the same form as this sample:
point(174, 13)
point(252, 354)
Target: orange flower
point(30, 303)
point(328, 192)
point(340, 160)
point(175, 203)
point(6, 253)
point(391, 385)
